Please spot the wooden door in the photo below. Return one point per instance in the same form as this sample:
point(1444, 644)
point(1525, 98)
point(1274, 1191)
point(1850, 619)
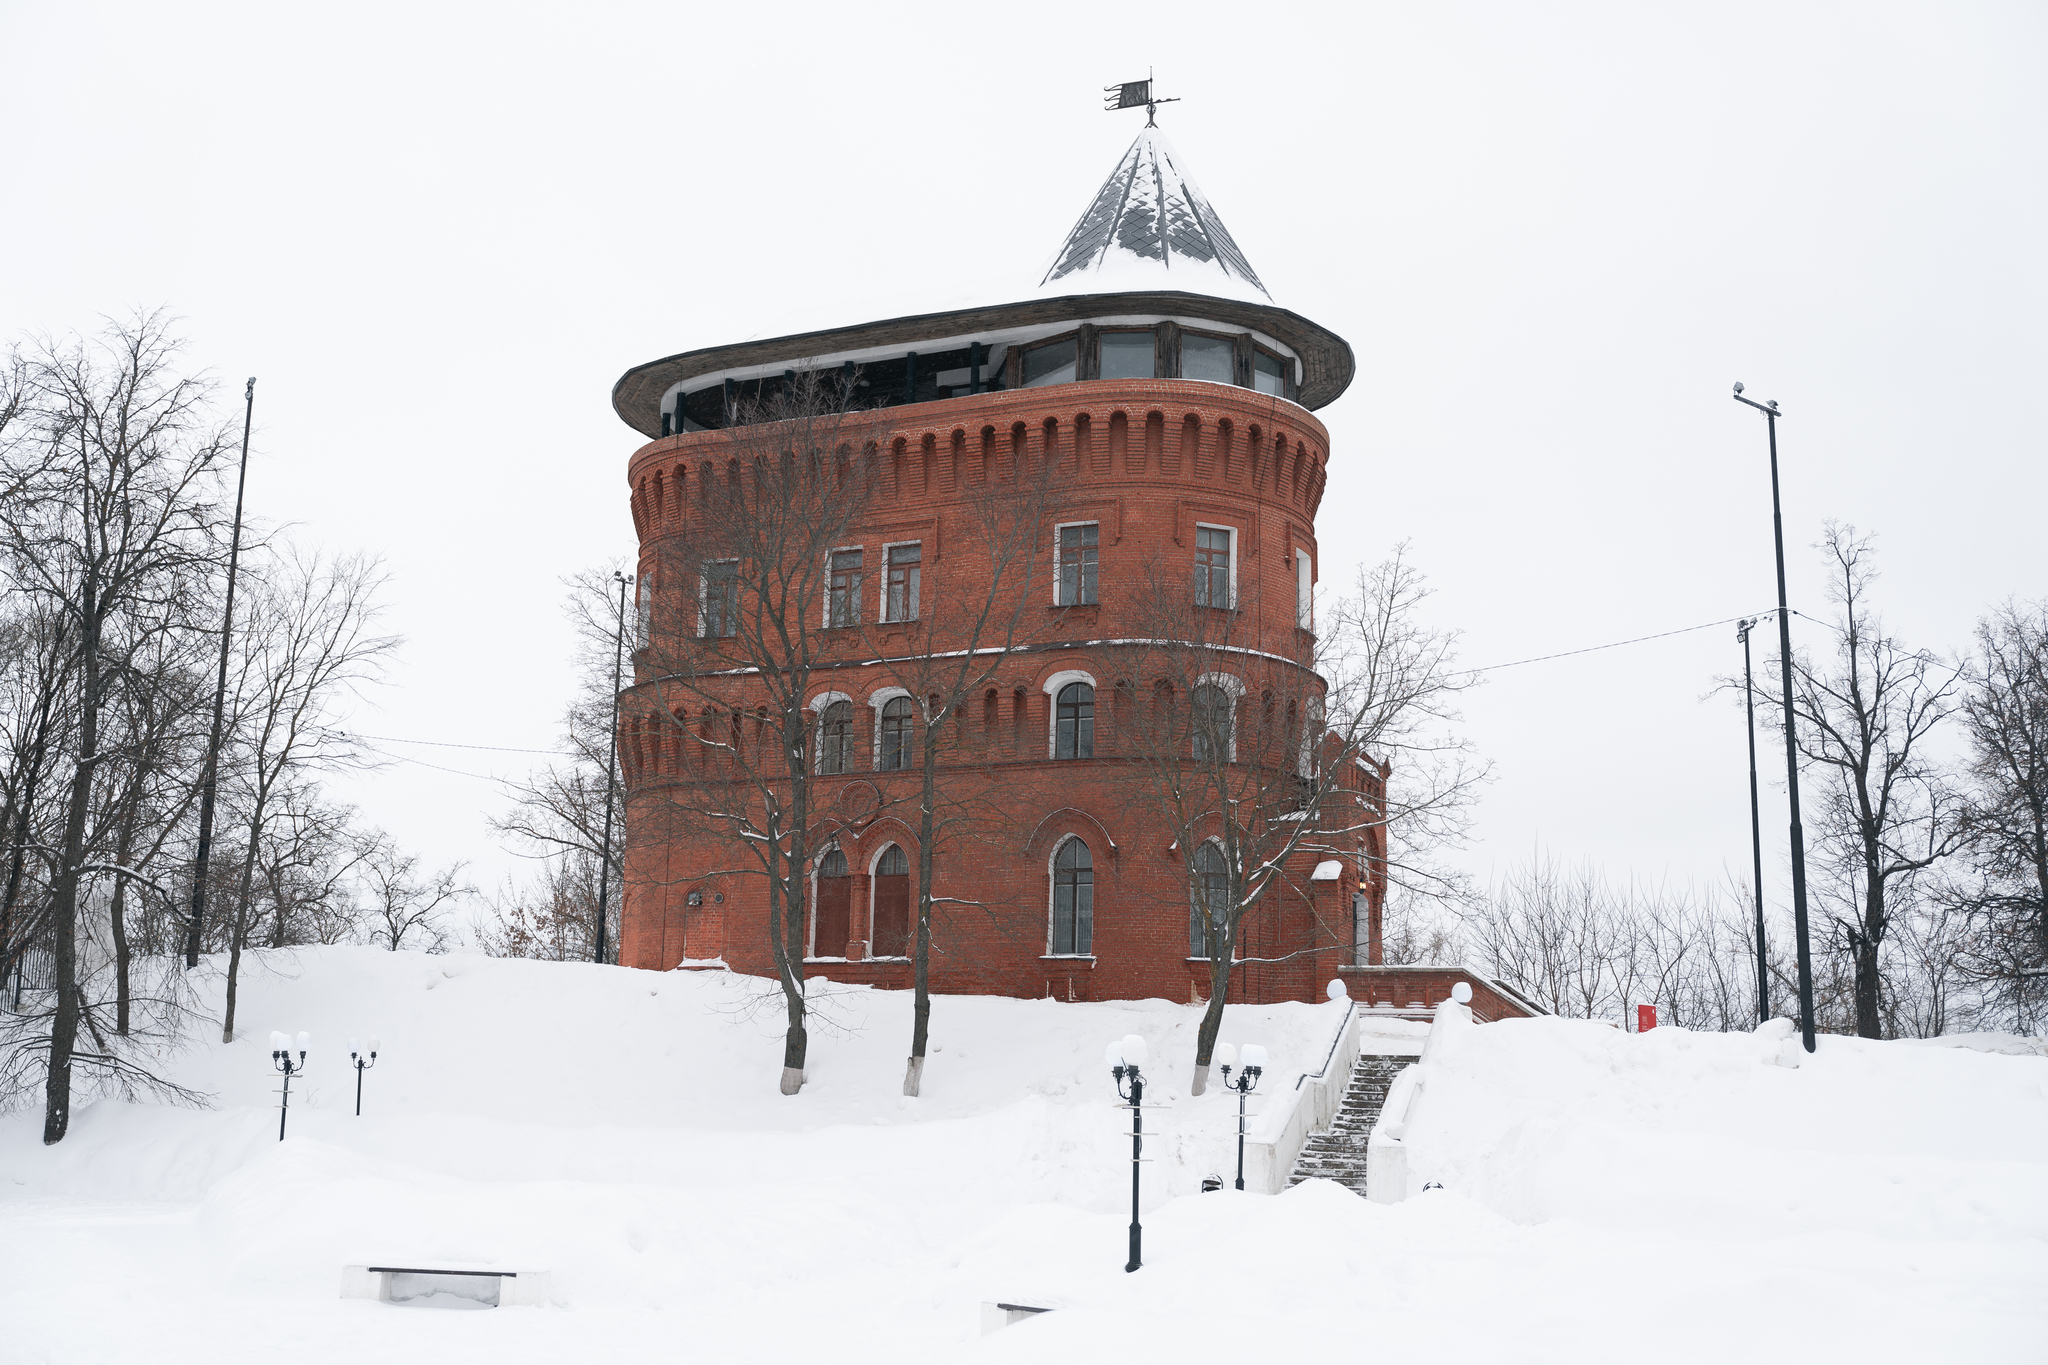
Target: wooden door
point(833, 923)
point(892, 905)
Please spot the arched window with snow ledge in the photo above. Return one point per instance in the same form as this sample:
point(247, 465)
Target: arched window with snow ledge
point(832, 906)
point(1209, 723)
point(1074, 723)
point(890, 909)
point(892, 750)
point(835, 738)
point(1073, 900)
point(1209, 910)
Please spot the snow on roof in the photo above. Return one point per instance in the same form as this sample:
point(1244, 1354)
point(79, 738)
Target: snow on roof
point(1151, 227)
point(1328, 870)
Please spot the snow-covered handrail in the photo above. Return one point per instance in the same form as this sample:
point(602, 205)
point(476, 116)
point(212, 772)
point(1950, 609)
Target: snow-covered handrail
point(1284, 1125)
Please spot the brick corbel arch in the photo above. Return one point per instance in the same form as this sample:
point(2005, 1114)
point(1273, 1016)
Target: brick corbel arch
point(1062, 822)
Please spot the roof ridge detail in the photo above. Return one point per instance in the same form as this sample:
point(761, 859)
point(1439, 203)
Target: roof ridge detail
point(1150, 212)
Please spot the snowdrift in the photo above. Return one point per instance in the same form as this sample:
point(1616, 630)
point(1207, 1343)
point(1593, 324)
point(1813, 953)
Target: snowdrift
point(1670, 1195)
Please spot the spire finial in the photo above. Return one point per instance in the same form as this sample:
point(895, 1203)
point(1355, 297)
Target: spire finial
point(1131, 94)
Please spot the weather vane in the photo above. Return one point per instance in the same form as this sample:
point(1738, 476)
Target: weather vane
point(1131, 94)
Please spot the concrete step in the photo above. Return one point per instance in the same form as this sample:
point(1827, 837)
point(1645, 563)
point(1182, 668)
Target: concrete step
point(1339, 1152)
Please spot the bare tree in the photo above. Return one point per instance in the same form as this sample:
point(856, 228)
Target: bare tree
point(741, 620)
point(558, 814)
point(1887, 811)
point(2005, 714)
point(959, 641)
point(1256, 762)
point(111, 520)
point(307, 645)
point(406, 907)
point(549, 917)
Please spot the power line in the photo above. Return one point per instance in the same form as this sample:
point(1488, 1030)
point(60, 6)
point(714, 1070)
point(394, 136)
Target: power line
point(1615, 644)
point(446, 744)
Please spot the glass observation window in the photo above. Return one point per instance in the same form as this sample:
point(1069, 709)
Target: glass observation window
point(1205, 358)
point(1127, 355)
point(1269, 374)
point(1052, 363)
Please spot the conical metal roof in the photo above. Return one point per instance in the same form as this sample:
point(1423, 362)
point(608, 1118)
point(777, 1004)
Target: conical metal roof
point(1151, 226)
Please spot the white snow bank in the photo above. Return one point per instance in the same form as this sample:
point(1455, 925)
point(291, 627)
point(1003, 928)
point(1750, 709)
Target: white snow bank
point(1668, 1196)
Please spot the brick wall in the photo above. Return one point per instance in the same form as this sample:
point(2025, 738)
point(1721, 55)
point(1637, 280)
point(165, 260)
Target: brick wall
point(1145, 460)
point(1424, 988)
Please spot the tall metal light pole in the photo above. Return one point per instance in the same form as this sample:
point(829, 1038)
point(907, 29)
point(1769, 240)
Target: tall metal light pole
point(1756, 828)
point(1770, 412)
point(220, 695)
point(604, 879)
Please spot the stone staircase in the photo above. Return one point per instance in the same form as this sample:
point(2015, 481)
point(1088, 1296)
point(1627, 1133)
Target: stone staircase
point(1338, 1153)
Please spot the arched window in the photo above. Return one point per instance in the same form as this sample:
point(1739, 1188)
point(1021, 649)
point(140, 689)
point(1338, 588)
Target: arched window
point(1073, 901)
point(895, 735)
point(835, 738)
point(832, 921)
point(1074, 728)
point(1212, 895)
point(1210, 719)
point(892, 903)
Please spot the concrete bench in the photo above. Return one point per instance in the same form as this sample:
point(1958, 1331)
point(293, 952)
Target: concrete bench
point(996, 1316)
point(495, 1288)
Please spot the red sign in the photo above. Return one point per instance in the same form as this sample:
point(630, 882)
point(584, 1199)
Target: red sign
point(1646, 1018)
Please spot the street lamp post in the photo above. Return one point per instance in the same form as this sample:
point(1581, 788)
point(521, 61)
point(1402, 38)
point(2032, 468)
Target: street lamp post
point(1770, 412)
point(1125, 1056)
point(1756, 828)
point(355, 1055)
point(1254, 1060)
point(210, 769)
point(281, 1058)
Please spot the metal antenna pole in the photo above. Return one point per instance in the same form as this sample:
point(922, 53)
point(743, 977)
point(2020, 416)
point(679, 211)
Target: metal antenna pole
point(604, 880)
point(1756, 829)
point(1770, 412)
point(220, 696)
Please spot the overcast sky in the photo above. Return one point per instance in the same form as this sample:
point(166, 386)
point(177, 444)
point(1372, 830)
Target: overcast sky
point(1553, 234)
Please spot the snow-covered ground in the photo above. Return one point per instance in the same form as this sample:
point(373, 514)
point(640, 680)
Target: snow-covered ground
point(1663, 1197)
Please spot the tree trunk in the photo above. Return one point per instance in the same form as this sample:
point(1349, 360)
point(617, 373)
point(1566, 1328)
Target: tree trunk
point(239, 932)
point(123, 849)
point(921, 949)
point(1222, 955)
point(796, 1042)
point(64, 896)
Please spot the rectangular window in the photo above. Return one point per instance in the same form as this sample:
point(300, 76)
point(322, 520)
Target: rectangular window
point(843, 605)
point(1269, 374)
point(1127, 355)
point(1205, 358)
point(1212, 566)
point(1304, 591)
point(1049, 364)
point(1078, 545)
point(643, 611)
point(721, 600)
point(904, 564)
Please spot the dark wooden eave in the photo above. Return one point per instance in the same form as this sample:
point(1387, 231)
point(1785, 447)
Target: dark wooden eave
point(1326, 360)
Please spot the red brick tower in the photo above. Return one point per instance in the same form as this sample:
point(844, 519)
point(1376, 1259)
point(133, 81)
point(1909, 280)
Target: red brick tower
point(1150, 372)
